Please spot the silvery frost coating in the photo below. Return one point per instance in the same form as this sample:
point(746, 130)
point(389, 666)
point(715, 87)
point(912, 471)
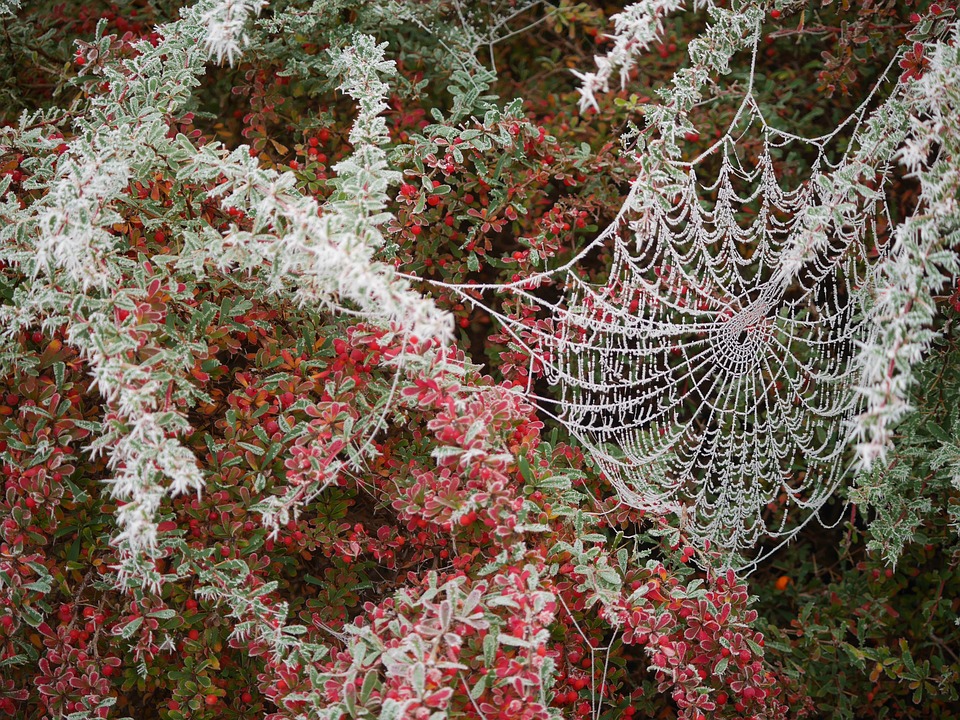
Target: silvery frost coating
point(323, 255)
point(751, 344)
point(225, 22)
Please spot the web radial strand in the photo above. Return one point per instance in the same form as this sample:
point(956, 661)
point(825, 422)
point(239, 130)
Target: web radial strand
point(703, 378)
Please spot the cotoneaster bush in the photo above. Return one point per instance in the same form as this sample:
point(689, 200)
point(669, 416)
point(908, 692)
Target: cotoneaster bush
point(252, 468)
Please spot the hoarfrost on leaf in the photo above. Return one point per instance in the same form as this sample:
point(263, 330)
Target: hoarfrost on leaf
point(225, 22)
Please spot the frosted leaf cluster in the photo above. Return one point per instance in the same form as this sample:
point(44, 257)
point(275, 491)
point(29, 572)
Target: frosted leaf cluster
point(225, 22)
point(64, 241)
point(635, 30)
point(326, 252)
point(72, 224)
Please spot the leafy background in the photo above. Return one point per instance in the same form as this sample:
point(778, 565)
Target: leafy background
point(474, 524)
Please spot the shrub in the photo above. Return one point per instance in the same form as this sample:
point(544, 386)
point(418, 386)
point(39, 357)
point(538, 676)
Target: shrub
point(252, 463)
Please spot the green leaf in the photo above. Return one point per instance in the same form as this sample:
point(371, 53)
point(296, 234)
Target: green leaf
point(477, 690)
point(370, 683)
point(130, 628)
point(58, 372)
point(30, 616)
point(73, 552)
point(490, 648)
point(255, 449)
point(164, 614)
point(525, 471)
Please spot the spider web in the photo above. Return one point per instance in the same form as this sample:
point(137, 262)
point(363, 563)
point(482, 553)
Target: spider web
point(712, 369)
point(702, 377)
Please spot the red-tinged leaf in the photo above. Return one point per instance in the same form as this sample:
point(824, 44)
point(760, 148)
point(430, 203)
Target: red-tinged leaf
point(439, 698)
point(724, 613)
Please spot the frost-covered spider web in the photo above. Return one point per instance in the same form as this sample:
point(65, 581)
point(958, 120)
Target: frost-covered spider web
point(705, 376)
point(703, 348)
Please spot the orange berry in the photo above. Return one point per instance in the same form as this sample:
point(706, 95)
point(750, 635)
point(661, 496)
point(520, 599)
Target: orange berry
point(782, 583)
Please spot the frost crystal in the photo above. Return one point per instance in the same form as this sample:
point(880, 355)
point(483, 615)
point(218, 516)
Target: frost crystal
point(225, 22)
point(636, 29)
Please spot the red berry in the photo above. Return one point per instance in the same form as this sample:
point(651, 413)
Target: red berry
point(775, 14)
point(211, 699)
point(246, 698)
point(324, 135)
point(416, 229)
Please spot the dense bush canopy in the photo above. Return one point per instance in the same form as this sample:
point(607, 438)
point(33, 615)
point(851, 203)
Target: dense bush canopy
point(265, 452)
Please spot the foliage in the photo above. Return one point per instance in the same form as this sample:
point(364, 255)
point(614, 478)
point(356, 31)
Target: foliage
point(252, 466)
